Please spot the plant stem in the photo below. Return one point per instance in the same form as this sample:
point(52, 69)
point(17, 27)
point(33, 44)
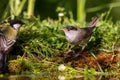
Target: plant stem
point(31, 4)
point(11, 3)
point(81, 11)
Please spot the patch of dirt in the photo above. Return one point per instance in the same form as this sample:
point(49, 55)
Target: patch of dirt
point(104, 59)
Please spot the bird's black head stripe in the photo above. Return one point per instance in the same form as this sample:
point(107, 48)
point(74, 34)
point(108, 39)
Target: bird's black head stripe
point(71, 28)
point(15, 21)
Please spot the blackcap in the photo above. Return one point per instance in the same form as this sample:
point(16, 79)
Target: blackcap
point(77, 35)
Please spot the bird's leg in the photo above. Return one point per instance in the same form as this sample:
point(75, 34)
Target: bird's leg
point(79, 53)
point(70, 50)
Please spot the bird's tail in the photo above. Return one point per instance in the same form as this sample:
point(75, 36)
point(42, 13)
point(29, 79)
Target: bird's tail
point(94, 22)
point(2, 62)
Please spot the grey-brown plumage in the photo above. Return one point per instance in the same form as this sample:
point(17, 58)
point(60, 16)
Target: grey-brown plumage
point(8, 34)
point(77, 35)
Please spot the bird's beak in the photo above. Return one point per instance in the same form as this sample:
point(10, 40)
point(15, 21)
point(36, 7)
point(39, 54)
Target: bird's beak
point(61, 29)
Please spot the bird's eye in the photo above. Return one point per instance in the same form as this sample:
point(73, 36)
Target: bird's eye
point(68, 29)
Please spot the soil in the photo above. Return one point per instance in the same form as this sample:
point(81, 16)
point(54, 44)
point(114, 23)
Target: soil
point(103, 59)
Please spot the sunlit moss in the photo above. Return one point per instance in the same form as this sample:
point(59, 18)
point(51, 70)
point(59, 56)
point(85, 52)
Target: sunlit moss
point(38, 41)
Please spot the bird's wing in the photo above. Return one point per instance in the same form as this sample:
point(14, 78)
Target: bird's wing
point(3, 26)
point(85, 34)
point(5, 43)
point(88, 32)
point(2, 42)
point(10, 43)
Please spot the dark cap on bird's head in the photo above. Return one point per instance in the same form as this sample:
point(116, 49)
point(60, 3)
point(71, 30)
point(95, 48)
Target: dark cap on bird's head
point(71, 28)
point(15, 21)
point(68, 28)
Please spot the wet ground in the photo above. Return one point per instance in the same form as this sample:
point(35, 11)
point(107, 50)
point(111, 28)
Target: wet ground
point(60, 77)
point(100, 60)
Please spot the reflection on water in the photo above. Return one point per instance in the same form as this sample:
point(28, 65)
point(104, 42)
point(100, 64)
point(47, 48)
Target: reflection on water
point(17, 77)
point(60, 77)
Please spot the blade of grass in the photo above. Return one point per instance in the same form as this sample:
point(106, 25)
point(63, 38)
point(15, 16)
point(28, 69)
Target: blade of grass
point(31, 4)
point(97, 62)
point(81, 11)
point(20, 7)
point(97, 8)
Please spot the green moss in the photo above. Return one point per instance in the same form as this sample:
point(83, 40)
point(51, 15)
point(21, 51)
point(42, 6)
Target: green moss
point(38, 41)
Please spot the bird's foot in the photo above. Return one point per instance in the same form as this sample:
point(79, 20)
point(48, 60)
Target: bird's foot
point(67, 52)
point(76, 56)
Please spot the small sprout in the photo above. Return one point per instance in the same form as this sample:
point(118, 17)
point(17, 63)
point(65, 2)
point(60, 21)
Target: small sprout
point(118, 64)
point(61, 77)
point(61, 67)
point(118, 48)
point(1, 75)
point(61, 14)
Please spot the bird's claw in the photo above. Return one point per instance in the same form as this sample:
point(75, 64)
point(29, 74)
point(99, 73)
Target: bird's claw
point(67, 52)
point(76, 56)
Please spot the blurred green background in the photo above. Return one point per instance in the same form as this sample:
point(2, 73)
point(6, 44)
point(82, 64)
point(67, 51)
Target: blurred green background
point(41, 38)
point(47, 8)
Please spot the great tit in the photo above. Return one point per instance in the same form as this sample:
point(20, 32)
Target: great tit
point(8, 36)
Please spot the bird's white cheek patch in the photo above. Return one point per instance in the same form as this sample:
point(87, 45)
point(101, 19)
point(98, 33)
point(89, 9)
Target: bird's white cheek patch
point(16, 26)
